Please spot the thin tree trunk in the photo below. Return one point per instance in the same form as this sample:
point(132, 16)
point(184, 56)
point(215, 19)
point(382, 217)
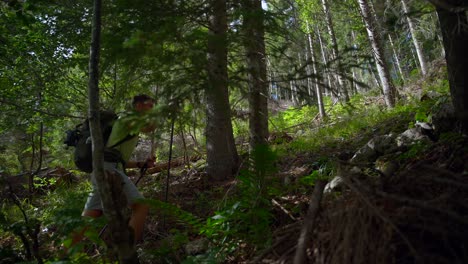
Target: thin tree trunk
point(222, 155)
point(31, 174)
point(358, 72)
point(325, 60)
point(309, 81)
point(271, 81)
point(417, 45)
point(381, 62)
point(439, 34)
point(318, 88)
point(331, 31)
point(397, 59)
point(122, 237)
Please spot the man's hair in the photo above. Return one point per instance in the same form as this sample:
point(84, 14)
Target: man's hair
point(141, 98)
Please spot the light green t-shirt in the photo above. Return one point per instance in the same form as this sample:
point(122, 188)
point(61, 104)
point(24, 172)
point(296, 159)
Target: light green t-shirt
point(120, 130)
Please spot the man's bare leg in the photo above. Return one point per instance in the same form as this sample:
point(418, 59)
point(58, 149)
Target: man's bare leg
point(137, 221)
point(78, 235)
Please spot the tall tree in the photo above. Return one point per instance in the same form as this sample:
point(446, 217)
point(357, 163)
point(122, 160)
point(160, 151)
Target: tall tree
point(378, 51)
point(335, 54)
point(453, 22)
point(221, 151)
point(122, 237)
point(327, 74)
point(254, 42)
point(318, 88)
point(416, 42)
point(397, 59)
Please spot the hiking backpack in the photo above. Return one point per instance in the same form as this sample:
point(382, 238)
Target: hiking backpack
point(80, 138)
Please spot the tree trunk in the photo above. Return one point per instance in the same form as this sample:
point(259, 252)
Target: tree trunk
point(325, 62)
point(397, 59)
point(380, 60)
point(254, 42)
point(122, 237)
point(222, 155)
point(455, 38)
point(315, 80)
point(439, 34)
point(417, 45)
point(331, 31)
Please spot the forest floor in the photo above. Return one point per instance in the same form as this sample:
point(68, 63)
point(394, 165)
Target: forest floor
point(417, 213)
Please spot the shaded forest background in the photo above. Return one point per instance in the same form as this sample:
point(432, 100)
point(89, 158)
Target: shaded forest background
point(259, 104)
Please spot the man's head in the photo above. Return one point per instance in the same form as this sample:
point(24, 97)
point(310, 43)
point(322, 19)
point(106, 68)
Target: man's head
point(142, 103)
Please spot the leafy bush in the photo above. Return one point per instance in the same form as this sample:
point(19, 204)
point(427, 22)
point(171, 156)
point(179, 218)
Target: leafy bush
point(246, 217)
point(292, 117)
point(323, 169)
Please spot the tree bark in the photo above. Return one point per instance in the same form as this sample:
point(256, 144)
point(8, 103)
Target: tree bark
point(455, 38)
point(222, 157)
point(254, 42)
point(397, 59)
point(417, 45)
point(315, 79)
point(325, 62)
point(122, 237)
point(389, 91)
point(331, 31)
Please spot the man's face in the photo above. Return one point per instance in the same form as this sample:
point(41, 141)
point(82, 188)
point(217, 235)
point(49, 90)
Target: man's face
point(144, 106)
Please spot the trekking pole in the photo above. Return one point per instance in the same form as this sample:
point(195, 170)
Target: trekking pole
point(169, 168)
point(142, 173)
point(152, 157)
point(170, 159)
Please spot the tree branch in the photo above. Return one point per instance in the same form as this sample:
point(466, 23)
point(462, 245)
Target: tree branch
point(3, 101)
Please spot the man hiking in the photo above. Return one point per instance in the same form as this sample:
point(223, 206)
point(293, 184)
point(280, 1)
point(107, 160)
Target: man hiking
point(123, 141)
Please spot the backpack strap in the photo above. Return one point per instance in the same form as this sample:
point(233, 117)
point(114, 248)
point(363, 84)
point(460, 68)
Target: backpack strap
point(128, 137)
point(121, 161)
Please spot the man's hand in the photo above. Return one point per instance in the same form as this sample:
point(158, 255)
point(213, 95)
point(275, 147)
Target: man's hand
point(148, 163)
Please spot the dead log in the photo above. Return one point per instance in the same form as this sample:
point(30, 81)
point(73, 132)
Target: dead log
point(309, 221)
point(161, 166)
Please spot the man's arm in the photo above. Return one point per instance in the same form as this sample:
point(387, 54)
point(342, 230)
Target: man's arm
point(149, 163)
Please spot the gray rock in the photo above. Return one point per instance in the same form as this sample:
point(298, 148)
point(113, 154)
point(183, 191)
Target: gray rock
point(411, 136)
point(196, 247)
point(377, 146)
point(384, 144)
point(365, 154)
point(444, 119)
point(334, 184)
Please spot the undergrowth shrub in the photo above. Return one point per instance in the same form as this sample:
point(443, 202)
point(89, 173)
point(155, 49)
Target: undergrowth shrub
point(323, 169)
point(292, 117)
point(245, 217)
point(169, 247)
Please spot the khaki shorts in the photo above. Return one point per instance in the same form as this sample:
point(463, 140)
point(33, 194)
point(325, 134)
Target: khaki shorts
point(94, 201)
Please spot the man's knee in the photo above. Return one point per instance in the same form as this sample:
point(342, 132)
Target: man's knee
point(139, 207)
point(94, 213)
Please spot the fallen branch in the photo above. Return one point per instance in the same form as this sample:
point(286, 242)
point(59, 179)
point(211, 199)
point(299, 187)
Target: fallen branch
point(309, 221)
point(161, 166)
point(274, 202)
